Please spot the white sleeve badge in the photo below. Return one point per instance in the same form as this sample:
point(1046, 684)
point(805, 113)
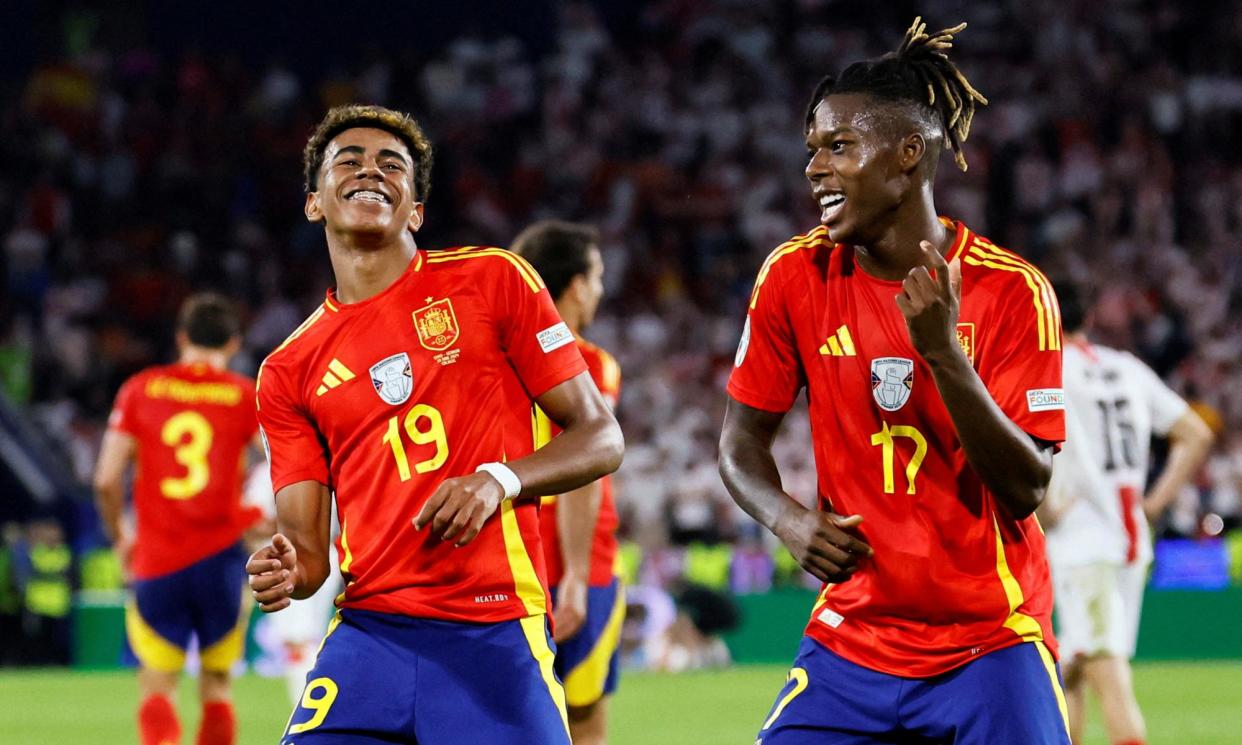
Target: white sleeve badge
point(554, 337)
point(1045, 399)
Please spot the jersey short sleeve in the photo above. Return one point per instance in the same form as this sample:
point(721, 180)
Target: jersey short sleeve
point(124, 410)
point(1166, 406)
point(1021, 364)
point(766, 373)
point(295, 451)
point(606, 373)
point(538, 344)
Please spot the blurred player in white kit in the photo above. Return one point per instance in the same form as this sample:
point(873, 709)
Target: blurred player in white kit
point(1097, 511)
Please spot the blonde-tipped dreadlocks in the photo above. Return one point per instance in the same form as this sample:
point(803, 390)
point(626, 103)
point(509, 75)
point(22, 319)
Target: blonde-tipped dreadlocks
point(919, 72)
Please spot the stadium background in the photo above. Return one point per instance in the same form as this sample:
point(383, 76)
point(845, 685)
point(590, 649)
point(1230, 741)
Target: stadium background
point(150, 150)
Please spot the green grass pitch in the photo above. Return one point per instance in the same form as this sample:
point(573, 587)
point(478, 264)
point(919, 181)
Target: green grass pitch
point(1185, 703)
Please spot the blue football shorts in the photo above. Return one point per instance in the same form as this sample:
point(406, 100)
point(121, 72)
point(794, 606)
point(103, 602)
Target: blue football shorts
point(1012, 695)
point(386, 678)
point(208, 599)
point(587, 662)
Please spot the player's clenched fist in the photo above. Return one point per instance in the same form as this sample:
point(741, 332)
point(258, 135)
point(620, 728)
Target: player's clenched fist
point(459, 507)
point(273, 574)
point(824, 543)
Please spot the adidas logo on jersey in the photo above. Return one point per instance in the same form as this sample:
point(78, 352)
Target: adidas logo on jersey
point(840, 344)
point(337, 373)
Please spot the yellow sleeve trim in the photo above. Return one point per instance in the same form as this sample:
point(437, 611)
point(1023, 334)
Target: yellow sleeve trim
point(1047, 316)
point(813, 238)
point(531, 277)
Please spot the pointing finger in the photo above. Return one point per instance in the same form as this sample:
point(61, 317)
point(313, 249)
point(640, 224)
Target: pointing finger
point(933, 260)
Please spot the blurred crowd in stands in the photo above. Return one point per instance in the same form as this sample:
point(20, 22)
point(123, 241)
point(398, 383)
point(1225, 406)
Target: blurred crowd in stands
point(1110, 154)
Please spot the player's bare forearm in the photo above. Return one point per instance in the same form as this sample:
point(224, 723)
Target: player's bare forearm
point(303, 516)
point(1008, 461)
point(589, 446)
point(1190, 441)
point(825, 544)
point(747, 467)
point(115, 454)
point(576, 513)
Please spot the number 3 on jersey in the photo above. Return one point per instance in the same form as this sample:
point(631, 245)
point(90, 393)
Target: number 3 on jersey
point(189, 434)
point(424, 426)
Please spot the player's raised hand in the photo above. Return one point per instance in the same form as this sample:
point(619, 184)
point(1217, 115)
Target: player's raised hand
point(459, 507)
point(824, 543)
point(931, 306)
point(273, 569)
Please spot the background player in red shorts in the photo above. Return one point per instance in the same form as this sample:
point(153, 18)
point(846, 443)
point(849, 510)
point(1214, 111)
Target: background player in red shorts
point(186, 428)
point(931, 359)
point(408, 397)
point(579, 529)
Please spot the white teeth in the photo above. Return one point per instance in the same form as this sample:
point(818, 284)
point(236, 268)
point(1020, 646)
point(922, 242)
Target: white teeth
point(370, 196)
point(831, 200)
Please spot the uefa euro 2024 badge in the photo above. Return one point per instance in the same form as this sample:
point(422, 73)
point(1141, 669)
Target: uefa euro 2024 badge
point(393, 379)
point(892, 379)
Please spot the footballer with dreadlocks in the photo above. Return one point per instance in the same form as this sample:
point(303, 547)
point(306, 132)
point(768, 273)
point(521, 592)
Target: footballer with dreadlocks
point(932, 364)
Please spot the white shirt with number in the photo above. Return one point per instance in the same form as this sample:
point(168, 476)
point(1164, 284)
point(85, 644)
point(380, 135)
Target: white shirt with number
point(1114, 403)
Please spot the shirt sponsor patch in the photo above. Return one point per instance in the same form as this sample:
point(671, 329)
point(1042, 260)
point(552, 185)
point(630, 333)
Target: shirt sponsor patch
point(1045, 399)
point(554, 337)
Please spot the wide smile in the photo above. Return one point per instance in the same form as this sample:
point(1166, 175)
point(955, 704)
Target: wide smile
point(369, 196)
point(830, 204)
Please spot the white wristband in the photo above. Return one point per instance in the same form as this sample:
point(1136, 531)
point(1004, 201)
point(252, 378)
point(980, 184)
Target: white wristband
point(505, 475)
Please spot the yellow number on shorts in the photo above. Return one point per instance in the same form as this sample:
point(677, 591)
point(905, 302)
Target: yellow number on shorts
point(190, 452)
point(424, 426)
point(318, 704)
point(798, 675)
point(887, 438)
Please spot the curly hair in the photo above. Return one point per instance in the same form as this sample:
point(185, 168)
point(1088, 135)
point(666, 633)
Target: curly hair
point(399, 124)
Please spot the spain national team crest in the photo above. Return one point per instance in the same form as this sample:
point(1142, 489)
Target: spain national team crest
point(392, 378)
point(892, 379)
point(436, 325)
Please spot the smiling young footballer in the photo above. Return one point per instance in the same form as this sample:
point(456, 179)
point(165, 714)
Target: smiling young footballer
point(579, 530)
point(407, 397)
point(931, 360)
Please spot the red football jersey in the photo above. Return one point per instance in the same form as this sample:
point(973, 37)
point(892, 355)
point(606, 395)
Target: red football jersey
point(384, 399)
point(607, 376)
point(192, 424)
point(953, 575)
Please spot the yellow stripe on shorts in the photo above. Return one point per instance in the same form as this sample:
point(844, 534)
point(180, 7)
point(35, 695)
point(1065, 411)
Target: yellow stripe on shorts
point(584, 685)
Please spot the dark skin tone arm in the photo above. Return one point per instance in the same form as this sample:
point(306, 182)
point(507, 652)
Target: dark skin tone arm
point(295, 563)
point(824, 543)
point(1013, 466)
